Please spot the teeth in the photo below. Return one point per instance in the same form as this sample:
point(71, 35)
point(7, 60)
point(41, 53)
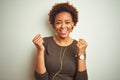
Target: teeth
point(63, 31)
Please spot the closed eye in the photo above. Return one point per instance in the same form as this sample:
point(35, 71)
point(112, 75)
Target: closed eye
point(67, 22)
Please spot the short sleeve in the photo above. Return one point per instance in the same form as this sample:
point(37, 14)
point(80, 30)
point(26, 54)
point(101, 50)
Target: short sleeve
point(41, 76)
point(81, 75)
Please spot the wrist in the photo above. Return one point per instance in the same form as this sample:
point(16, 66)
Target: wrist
point(81, 52)
point(40, 51)
point(81, 56)
point(81, 65)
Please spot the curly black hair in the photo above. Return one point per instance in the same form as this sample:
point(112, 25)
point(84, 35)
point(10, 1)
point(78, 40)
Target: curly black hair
point(61, 7)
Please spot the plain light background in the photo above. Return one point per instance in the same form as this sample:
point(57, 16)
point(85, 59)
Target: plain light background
point(21, 20)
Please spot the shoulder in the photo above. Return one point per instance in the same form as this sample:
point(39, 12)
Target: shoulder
point(47, 40)
point(73, 45)
point(74, 41)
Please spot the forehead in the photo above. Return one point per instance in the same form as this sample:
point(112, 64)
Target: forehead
point(63, 16)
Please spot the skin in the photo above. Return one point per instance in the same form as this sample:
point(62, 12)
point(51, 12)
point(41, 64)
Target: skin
point(63, 26)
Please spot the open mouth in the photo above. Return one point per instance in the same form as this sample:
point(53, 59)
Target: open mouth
point(63, 31)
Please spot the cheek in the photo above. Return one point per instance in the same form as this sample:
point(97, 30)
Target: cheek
point(70, 28)
point(57, 26)
point(56, 29)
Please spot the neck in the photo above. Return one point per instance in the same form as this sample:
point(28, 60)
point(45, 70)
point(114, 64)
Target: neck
point(63, 41)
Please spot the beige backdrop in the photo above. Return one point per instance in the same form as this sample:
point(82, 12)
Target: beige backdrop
point(21, 20)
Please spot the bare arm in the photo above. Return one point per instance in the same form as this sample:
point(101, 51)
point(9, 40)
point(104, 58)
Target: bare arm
point(82, 71)
point(81, 46)
point(40, 64)
point(81, 65)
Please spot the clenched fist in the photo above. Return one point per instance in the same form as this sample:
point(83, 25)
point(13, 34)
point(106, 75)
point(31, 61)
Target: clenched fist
point(38, 41)
point(81, 46)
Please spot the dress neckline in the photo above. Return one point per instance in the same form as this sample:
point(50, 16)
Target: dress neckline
point(60, 45)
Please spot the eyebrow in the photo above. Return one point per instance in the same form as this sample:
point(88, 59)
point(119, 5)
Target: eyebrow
point(60, 20)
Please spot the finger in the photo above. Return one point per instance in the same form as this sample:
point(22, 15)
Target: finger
point(36, 37)
point(85, 43)
point(39, 40)
point(79, 44)
point(82, 41)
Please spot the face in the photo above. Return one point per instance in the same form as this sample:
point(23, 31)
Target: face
point(63, 24)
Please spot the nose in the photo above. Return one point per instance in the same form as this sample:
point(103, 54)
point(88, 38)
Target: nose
point(63, 25)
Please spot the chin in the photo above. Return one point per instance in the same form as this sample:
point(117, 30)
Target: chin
point(63, 36)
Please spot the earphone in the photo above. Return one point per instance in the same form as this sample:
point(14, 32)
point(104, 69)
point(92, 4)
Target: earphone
point(61, 61)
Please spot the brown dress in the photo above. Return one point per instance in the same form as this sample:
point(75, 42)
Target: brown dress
point(60, 62)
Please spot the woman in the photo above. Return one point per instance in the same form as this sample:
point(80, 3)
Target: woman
point(60, 57)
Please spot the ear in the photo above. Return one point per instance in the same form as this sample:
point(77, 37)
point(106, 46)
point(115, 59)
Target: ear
point(72, 25)
point(72, 28)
